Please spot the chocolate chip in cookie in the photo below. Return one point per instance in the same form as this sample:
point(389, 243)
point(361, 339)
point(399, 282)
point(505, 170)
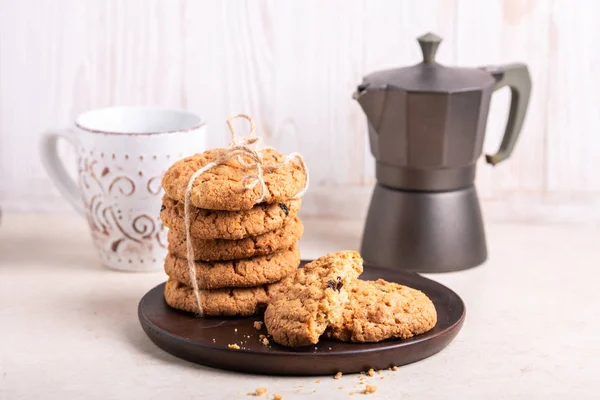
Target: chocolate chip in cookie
point(335, 284)
point(285, 209)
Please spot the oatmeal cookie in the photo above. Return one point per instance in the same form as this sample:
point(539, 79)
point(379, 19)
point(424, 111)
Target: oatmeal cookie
point(223, 249)
point(246, 272)
point(231, 225)
point(221, 188)
point(305, 303)
point(380, 310)
point(221, 302)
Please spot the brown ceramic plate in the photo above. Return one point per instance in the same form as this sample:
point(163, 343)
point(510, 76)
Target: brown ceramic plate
point(204, 341)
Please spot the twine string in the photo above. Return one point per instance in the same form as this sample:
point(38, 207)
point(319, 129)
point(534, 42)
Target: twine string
point(240, 148)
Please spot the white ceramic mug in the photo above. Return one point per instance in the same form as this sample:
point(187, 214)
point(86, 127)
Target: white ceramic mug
point(122, 154)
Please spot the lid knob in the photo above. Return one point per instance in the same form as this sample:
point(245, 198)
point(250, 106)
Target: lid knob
point(429, 43)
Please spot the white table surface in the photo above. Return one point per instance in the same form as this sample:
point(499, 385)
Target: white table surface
point(69, 328)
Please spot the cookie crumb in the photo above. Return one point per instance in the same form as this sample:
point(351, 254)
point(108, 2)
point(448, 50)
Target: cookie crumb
point(277, 397)
point(371, 372)
point(369, 389)
point(318, 381)
point(233, 346)
point(351, 393)
point(258, 392)
point(258, 325)
point(379, 371)
point(338, 375)
point(394, 368)
point(265, 341)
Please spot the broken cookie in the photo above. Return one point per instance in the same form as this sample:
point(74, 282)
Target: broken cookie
point(379, 310)
point(313, 298)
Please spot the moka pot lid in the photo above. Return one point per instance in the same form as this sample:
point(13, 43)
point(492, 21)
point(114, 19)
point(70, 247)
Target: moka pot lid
point(429, 76)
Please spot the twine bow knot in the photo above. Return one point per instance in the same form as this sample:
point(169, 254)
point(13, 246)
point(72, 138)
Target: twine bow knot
point(241, 148)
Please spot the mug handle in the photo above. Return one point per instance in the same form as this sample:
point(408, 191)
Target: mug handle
point(517, 78)
point(56, 169)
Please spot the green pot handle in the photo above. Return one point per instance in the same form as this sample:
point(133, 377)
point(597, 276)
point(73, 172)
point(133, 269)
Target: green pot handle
point(515, 76)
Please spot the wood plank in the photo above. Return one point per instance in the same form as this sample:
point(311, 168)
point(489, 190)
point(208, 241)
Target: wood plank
point(37, 75)
point(500, 32)
point(228, 63)
point(293, 66)
point(81, 55)
point(574, 101)
point(314, 76)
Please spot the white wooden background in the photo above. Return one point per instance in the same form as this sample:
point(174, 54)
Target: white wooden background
point(293, 65)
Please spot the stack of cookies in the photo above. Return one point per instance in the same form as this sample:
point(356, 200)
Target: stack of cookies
point(240, 248)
